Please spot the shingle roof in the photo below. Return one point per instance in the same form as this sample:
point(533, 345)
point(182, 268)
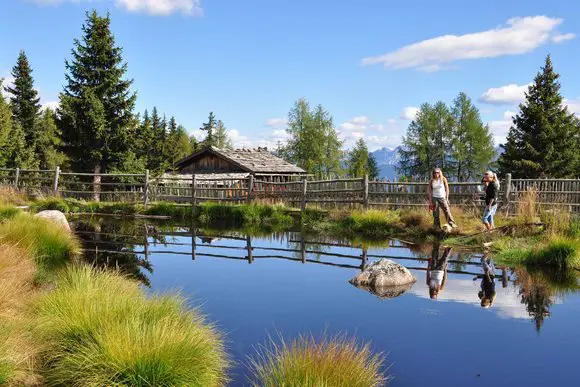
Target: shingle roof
point(253, 160)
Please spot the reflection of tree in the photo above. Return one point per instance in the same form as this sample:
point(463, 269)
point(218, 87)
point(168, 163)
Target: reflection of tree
point(111, 244)
point(538, 288)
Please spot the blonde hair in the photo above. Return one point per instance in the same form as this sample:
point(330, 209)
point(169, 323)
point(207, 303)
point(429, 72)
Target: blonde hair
point(495, 178)
point(441, 176)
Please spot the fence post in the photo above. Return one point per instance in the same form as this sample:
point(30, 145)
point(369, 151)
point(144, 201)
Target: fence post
point(193, 190)
point(250, 187)
point(16, 178)
point(146, 190)
point(56, 176)
point(366, 191)
point(304, 188)
point(507, 189)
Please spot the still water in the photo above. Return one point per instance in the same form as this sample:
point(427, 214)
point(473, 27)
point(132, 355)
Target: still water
point(261, 286)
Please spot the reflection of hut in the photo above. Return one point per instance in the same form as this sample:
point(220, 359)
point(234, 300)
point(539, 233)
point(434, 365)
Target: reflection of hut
point(258, 162)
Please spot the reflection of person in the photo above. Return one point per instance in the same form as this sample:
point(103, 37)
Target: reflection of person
point(439, 197)
point(491, 192)
point(437, 271)
point(487, 292)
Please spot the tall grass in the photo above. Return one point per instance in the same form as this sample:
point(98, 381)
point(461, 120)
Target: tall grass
point(8, 211)
point(49, 244)
point(527, 207)
point(329, 362)
point(12, 196)
point(101, 330)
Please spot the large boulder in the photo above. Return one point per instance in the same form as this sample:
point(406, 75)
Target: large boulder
point(385, 278)
point(55, 216)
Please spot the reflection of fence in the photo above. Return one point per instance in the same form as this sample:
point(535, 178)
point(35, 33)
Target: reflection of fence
point(240, 188)
point(299, 250)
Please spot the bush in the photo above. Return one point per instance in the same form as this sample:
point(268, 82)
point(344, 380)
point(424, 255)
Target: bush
point(101, 330)
point(50, 245)
point(335, 361)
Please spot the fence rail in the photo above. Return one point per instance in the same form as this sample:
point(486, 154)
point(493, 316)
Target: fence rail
point(338, 193)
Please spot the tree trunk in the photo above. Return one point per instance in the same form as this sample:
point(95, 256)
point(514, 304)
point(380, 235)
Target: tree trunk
point(97, 183)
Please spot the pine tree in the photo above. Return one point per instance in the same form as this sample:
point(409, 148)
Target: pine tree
point(145, 140)
point(49, 141)
point(472, 143)
point(24, 100)
point(373, 169)
point(544, 138)
point(417, 158)
point(193, 144)
point(96, 106)
point(221, 138)
point(209, 128)
point(5, 129)
point(358, 159)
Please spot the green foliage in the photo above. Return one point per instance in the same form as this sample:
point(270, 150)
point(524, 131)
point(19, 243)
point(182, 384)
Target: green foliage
point(454, 140)
point(374, 172)
point(8, 212)
point(544, 138)
point(49, 141)
point(96, 106)
point(209, 128)
point(102, 330)
point(313, 144)
point(307, 362)
point(24, 100)
point(557, 253)
point(221, 138)
point(358, 160)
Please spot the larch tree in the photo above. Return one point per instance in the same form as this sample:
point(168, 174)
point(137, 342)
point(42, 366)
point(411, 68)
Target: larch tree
point(545, 137)
point(96, 106)
point(24, 100)
point(209, 128)
point(358, 159)
point(416, 151)
point(220, 136)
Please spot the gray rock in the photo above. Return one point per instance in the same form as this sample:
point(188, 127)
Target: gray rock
point(55, 216)
point(385, 278)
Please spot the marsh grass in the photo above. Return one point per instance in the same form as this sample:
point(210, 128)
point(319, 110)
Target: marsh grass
point(50, 245)
point(527, 207)
point(335, 361)
point(101, 330)
point(12, 196)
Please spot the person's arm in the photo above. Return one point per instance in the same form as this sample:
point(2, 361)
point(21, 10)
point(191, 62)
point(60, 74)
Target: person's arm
point(446, 188)
point(430, 192)
point(492, 197)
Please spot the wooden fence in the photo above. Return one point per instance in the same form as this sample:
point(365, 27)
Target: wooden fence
point(336, 193)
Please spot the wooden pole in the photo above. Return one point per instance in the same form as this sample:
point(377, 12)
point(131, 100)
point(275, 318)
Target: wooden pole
point(193, 243)
point(304, 190)
point(146, 190)
point(364, 259)
point(250, 187)
point(16, 178)
point(193, 190)
point(507, 191)
point(55, 185)
point(366, 192)
point(249, 247)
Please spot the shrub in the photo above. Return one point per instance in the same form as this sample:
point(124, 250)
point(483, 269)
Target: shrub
point(335, 361)
point(100, 329)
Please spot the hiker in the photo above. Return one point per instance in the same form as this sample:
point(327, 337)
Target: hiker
point(487, 292)
point(437, 271)
point(439, 197)
point(491, 183)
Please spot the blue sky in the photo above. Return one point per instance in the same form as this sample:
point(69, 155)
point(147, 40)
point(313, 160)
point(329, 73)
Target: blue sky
point(369, 62)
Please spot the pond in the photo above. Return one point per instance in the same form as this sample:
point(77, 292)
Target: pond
point(286, 284)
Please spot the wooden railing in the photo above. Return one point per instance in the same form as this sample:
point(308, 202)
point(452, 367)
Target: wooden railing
point(336, 193)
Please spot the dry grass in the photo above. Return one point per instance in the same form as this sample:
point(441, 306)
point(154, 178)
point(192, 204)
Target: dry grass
point(328, 362)
point(17, 292)
point(12, 196)
point(527, 207)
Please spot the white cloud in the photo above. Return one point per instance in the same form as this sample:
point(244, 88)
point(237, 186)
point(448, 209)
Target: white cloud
point(500, 128)
point(276, 122)
point(391, 121)
point(151, 7)
point(573, 105)
point(508, 115)
point(409, 113)
point(53, 105)
point(563, 37)
point(355, 124)
point(518, 36)
point(8, 82)
point(508, 94)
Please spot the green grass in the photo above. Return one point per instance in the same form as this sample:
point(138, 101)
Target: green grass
point(100, 329)
point(557, 253)
point(8, 212)
point(328, 362)
point(50, 245)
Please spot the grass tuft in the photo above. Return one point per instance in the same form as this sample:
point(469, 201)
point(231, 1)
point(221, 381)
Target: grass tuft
point(8, 211)
point(331, 361)
point(100, 329)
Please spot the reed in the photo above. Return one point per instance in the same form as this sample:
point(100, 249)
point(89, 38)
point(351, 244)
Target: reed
point(336, 361)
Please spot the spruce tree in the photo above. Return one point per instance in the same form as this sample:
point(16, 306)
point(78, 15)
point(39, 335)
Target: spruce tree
point(416, 152)
point(49, 141)
point(358, 159)
point(373, 169)
point(209, 128)
point(96, 106)
point(24, 100)
point(544, 138)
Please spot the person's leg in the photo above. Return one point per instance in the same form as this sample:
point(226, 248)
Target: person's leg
point(447, 212)
point(485, 219)
point(491, 216)
point(436, 220)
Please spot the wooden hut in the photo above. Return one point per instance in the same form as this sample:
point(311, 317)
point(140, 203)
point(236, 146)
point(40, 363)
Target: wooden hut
point(258, 162)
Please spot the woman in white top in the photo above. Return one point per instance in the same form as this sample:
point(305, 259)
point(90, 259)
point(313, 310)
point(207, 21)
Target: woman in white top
point(437, 270)
point(439, 197)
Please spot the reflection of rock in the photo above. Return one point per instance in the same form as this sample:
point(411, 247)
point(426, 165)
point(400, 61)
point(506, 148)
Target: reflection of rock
point(55, 216)
point(385, 279)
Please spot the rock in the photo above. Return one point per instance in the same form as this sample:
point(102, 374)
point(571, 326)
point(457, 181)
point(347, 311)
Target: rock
point(54, 216)
point(385, 279)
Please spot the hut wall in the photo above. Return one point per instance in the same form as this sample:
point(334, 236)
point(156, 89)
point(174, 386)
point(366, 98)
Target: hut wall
point(210, 164)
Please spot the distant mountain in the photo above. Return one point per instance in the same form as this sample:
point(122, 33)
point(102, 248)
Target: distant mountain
point(387, 161)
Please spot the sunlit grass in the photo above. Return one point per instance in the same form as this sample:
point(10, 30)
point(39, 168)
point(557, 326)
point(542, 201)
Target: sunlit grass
point(307, 362)
point(101, 330)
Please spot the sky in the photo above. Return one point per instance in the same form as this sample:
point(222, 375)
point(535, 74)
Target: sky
point(370, 63)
